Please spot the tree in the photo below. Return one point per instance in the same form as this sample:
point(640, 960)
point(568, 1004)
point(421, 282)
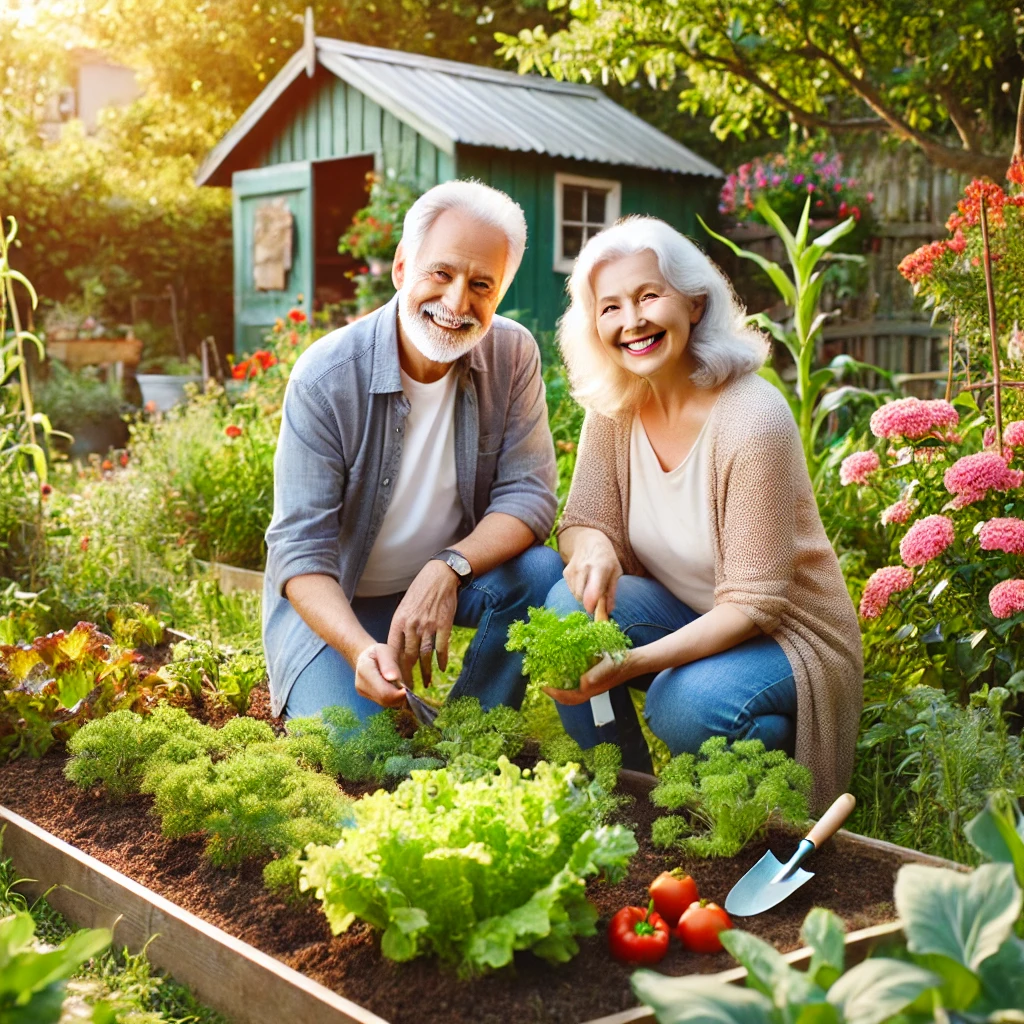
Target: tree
point(940, 79)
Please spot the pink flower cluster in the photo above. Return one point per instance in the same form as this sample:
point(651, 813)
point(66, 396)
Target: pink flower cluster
point(927, 539)
point(1003, 535)
point(973, 476)
point(1006, 598)
point(898, 512)
point(880, 587)
point(856, 468)
point(913, 418)
point(1013, 437)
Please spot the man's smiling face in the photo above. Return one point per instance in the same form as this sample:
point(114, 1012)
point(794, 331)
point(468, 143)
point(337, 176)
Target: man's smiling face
point(450, 287)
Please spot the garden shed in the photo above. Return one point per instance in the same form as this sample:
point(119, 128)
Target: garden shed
point(297, 161)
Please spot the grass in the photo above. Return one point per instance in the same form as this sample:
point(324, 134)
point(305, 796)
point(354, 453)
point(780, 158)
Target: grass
point(128, 981)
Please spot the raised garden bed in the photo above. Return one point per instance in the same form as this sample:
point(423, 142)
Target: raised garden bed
point(266, 959)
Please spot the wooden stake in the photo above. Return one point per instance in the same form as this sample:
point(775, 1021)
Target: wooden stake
point(949, 370)
point(990, 290)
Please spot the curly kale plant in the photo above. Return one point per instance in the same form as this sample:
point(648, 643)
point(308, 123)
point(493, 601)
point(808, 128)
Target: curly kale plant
point(557, 651)
point(727, 795)
point(465, 728)
point(472, 869)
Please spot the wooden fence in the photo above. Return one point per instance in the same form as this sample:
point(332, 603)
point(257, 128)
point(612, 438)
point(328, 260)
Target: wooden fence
point(883, 324)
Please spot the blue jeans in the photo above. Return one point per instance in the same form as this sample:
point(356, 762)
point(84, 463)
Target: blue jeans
point(489, 672)
point(746, 692)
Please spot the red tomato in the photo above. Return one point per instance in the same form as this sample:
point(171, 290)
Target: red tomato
point(673, 892)
point(638, 936)
point(699, 926)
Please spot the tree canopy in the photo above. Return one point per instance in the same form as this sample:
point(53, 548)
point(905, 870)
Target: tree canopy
point(942, 78)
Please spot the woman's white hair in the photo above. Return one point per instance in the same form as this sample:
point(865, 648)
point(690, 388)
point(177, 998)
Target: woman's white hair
point(479, 201)
point(722, 343)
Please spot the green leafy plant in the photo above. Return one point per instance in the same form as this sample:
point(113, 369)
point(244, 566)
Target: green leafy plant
point(239, 677)
point(728, 795)
point(558, 650)
point(193, 664)
point(465, 728)
point(376, 229)
point(602, 762)
point(997, 832)
point(32, 980)
point(961, 960)
point(136, 624)
point(472, 869)
point(801, 293)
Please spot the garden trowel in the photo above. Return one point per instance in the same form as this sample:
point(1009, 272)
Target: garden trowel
point(769, 882)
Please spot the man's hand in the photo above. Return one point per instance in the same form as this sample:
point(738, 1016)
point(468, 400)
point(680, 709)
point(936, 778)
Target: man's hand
point(378, 676)
point(611, 671)
point(593, 569)
point(423, 621)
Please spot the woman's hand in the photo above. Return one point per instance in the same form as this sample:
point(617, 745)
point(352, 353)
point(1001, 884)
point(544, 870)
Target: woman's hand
point(593, 569)
point(611, 671)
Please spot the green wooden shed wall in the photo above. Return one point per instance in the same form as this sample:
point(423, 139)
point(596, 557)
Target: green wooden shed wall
point(310, 137)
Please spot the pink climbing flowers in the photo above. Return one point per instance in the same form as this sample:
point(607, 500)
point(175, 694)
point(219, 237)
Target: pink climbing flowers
point(927, 539)
point(883, 583)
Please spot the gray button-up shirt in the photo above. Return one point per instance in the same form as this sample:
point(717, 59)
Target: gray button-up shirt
point(340, 448)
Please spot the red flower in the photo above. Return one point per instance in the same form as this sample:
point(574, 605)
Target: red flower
point(150, 406)
point(46, 490)
point(296, 316)
point(1016, 171)
point(232, 430)
point(83, 544)
point(240, 370)
point(106, 465)
point(123, 459)
point(293, 337)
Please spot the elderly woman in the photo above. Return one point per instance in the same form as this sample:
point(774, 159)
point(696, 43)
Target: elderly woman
point(692, 520)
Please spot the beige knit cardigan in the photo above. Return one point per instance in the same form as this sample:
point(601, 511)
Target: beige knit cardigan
point(772, 558)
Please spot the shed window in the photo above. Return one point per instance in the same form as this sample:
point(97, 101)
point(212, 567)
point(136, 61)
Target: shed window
point(583, 207)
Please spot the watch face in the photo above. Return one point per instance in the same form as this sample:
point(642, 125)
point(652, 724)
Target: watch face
point(459, 564)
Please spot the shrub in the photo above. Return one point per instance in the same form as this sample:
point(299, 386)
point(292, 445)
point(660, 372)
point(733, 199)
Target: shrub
point(728, 795)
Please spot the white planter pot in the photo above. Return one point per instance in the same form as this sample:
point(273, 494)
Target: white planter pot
point(164, 390)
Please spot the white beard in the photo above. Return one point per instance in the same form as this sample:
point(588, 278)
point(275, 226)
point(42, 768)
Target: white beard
point(432, 341)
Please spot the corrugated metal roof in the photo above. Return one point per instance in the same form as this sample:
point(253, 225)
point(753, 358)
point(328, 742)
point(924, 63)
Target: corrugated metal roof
point(451, 103)
point(476, 106)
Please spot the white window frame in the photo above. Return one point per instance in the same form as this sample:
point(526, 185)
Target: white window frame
point(612, 208)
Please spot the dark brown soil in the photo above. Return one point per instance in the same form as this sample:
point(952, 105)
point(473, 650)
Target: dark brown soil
point(853, 881)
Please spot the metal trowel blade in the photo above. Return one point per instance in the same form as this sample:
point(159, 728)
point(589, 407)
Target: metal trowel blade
point(424, 713)
point(755, 892)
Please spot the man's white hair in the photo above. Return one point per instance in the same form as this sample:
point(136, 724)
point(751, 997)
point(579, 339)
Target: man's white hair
point(479, 201)
point(722, 343)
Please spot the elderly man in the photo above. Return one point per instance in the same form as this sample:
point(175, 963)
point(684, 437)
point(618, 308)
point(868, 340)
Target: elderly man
point(414, 477)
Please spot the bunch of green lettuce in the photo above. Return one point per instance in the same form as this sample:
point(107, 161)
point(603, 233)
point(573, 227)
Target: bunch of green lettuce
point(727, 795)
point(472, 869)
point(557, 651)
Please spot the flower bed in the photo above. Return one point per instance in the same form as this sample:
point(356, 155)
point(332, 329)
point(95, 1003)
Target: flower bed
point(852, 877)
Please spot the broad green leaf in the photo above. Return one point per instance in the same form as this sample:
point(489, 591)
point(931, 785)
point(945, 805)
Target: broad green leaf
point(767, 968)
point(965, 917)
point(778, 276)
point(878, 989)
point(773, 327)
point(697, 1000)
point(397, 944)
point(998, 832)
point(778, 225)
point(824, 933)
point(959, 985)
point(16, 275)
point(1002, 978)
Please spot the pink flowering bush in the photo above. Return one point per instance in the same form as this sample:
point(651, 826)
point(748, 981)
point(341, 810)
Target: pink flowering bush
point(927, 539)
point(857, 467)
point(945, 517)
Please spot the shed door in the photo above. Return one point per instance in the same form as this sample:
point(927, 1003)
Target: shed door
point(258, 299)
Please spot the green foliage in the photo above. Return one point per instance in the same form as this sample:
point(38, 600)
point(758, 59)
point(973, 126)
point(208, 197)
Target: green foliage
point(239, 677)
point(927, 766)
point(961, 960)
point(465, 728)
point(32, 981)
point(51, 687)
point(917, 74)
point(472, 869)
point(602, 762)
point(557, 651)
point(728, 795)
point(70, 399)
point(376, 229)
point(193, 664)
point(998, 832)
point(135, 624)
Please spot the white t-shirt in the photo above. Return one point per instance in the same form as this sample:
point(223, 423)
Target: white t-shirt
point(670, 519)
point(425, 511)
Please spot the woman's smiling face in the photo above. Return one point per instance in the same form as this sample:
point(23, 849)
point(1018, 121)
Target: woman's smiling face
point(642, 321)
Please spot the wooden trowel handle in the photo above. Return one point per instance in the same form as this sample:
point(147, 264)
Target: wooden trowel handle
point(601, 611)
point(831, 821)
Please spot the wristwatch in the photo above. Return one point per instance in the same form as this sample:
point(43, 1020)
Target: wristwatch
point(458, 563)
